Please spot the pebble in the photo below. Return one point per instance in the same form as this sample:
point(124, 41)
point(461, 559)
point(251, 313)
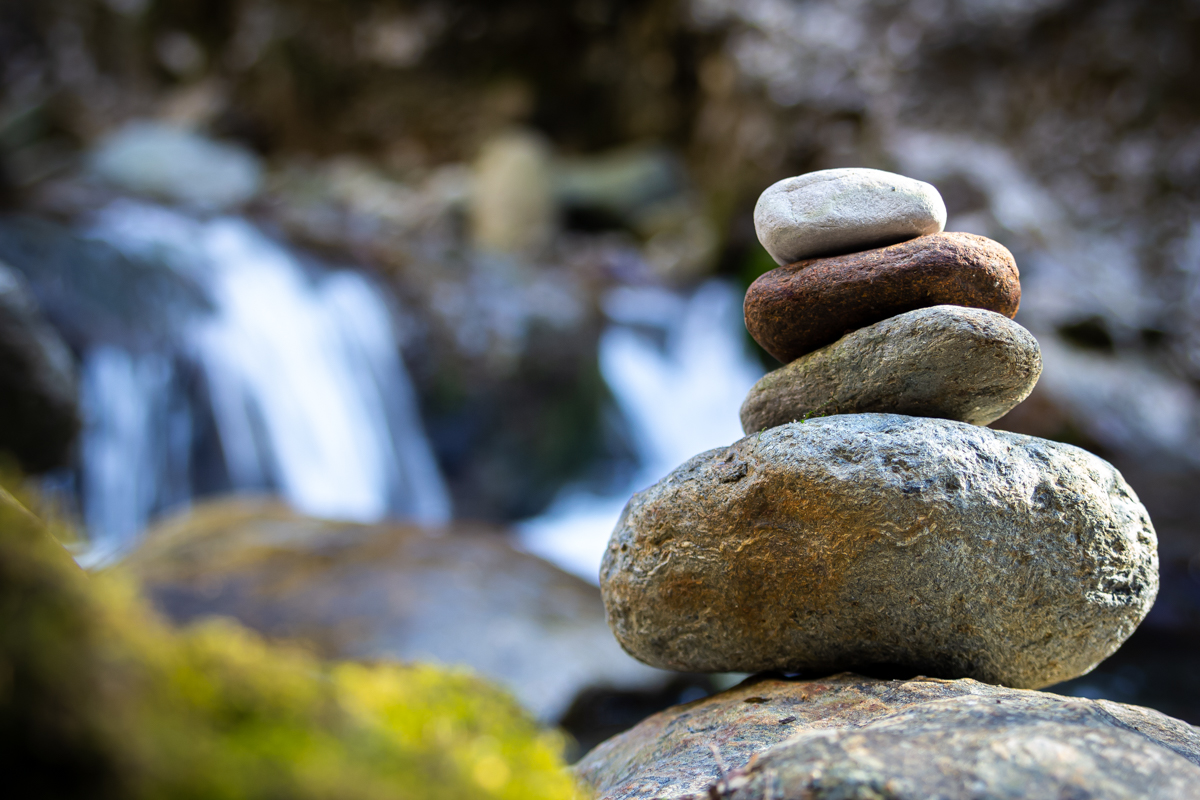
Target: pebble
point(794, 310)
point(176, 164)
point(957, 363)
point(842, 211)
point(880, 541)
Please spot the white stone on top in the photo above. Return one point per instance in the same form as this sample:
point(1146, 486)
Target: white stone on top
point(836, 211)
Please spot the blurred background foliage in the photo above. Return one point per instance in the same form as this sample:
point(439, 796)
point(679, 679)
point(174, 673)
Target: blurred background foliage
point(476, 265)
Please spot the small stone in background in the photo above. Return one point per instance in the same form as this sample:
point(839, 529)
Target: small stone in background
point(512, 207)
point(179, 165)
point(843, 211)
point(796, 309)
point(622, 184)
point(957, 363)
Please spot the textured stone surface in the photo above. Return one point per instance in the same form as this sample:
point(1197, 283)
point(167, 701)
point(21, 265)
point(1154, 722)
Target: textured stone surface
point(959, 363)
point(866, 541)
point(844, 210)
point(794, 310)
point(855, 737)
point(392, 592)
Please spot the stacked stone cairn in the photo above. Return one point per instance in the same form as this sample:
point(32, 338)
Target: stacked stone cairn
point(869, 523)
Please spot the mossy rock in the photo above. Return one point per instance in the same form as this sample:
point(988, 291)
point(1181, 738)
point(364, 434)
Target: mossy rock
point(99, 698)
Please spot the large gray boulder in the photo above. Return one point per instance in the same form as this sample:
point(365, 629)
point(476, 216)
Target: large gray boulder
point(461, 596)
point(860, 738)
point(872, 541)
point(843, 211)
point(958, 363)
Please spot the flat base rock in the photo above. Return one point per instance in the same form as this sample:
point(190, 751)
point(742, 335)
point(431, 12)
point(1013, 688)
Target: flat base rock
point(461, 596)
point(796, 309)
point(856, 738)
point(878, 541)
point(957, 363)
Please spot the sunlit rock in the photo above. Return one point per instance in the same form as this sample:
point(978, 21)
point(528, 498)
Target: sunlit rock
point(868, 541)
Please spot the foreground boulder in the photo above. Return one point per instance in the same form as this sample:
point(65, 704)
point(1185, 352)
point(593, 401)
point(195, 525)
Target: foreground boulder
point(103, 700)
point(796, 309)
point(464, 597)
point(848, 736)
point(872, 541)
point(953, 362)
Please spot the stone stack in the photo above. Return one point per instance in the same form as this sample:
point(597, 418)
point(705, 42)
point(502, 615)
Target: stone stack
point(868, 522)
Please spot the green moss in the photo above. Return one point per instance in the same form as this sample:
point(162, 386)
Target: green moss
point(100, 698)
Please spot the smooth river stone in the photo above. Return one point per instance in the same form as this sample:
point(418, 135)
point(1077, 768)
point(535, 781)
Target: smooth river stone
point(883, 542)
point(847, 736)
point(844, 210)
point(957, 363)
point(796, 309)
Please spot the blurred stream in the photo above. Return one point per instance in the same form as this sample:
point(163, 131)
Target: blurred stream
point(299, 370)
point(303, 376)
point(679, 369)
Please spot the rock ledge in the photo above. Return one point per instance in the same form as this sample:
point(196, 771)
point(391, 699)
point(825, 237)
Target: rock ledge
point(847, 736)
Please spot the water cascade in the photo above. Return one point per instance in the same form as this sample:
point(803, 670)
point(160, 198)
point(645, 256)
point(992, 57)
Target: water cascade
point(301, 372)
point(679, 369)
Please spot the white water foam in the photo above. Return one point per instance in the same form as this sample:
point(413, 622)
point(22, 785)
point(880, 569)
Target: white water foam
point(134, 446)
point(679, 370)
point(306, 385)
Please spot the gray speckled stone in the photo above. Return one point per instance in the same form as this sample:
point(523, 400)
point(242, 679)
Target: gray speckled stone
point(876, 540)
point(847, 736)
point(958, 363)
point(844, 211)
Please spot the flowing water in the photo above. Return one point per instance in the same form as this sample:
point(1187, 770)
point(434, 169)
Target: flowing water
point(135, 447)
point(301, 375)
point(679, 370)
point(298, 371)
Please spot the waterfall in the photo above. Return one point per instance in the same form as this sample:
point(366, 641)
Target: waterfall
point(679, 370)
point(135, 445)
point(301, 369)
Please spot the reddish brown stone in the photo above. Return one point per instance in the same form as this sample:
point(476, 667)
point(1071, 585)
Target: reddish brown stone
point(796, 309)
